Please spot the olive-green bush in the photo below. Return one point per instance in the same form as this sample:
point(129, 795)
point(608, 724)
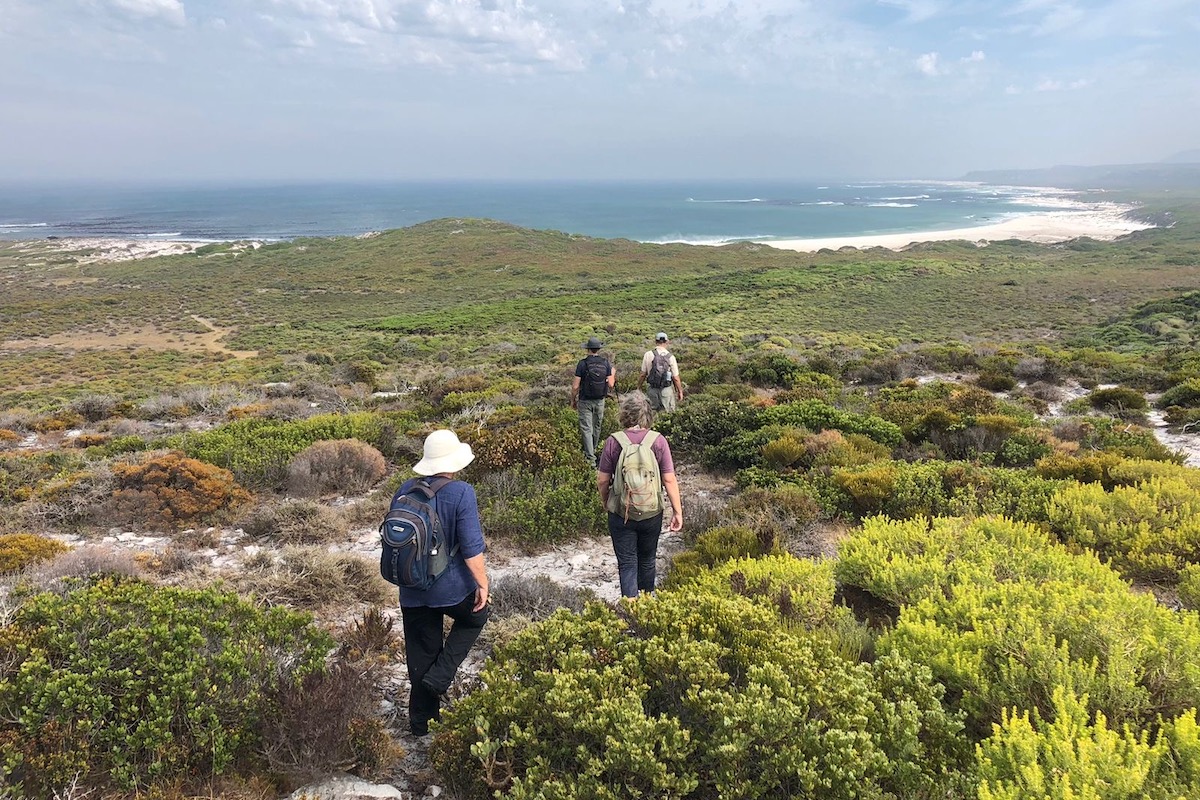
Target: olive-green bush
point(128, 685)
point(694, 695)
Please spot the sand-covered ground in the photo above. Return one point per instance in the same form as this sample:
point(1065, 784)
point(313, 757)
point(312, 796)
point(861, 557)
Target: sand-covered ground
point(1104, 223)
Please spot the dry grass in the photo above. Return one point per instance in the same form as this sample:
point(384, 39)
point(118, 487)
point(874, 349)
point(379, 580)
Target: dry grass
point(312, 578)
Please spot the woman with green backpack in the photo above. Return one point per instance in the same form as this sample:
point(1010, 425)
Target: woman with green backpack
point(635, 466)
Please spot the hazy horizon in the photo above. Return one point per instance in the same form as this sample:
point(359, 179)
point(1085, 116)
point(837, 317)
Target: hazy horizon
point(303, 91)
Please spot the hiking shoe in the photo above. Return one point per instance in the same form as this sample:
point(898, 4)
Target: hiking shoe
point(428, 685)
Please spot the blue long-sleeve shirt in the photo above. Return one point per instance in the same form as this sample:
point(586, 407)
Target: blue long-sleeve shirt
point(458, 509)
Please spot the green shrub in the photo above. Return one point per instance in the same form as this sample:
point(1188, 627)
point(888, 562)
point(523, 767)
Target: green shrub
point(1003, 616)
point(815, 415)
point(1149, 531)
point(19, 550)
point(693, 696)
point(1075, 757)
point(1189, 587)
point(257, 450)
point(995, 381)
point(131, 685)
point(1117, 400)
point(713, 547)
point(557, 504)
point(904, 490)
point(1186, 394)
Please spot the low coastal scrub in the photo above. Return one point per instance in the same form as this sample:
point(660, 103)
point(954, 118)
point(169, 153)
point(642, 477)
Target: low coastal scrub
point(694, 695)
point(1149, 531)
point(258, 450)
point(123, 685)
point(1003, 617)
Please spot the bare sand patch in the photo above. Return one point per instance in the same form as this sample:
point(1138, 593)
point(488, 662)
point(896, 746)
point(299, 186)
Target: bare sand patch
point(145, 336)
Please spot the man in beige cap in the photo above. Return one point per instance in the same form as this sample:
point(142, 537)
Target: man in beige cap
point(461, 592)
point(660, 372)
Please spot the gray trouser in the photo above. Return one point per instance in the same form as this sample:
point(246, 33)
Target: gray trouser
point(591, 415)
point(661, 399)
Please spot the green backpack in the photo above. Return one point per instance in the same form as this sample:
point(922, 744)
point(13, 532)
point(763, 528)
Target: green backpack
point(636, 491)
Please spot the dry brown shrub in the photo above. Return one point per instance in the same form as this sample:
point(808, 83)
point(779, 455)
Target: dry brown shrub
point(327, 724)
point(95, 407)
point(89, 440)
point(73, 500)
point(535, 597)
point(294, 522)
point(312, 577)
point(80, 562)
point(368, 511)
point(339, 466)
point(170, 491)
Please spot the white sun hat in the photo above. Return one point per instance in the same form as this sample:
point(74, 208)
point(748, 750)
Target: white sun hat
point(443, 453)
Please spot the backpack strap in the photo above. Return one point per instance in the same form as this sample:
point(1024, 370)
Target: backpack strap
point(651, 436)
point(430, 486)
point(623, 439)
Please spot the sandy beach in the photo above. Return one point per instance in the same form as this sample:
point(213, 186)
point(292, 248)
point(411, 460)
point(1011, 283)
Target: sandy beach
point(1105, 223)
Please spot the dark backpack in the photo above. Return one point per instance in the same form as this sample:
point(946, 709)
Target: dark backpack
point(660, 370)
point(594, 383)
point(414, 544)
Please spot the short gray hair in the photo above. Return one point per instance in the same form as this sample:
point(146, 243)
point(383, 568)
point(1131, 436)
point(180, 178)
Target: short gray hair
point(635, 410)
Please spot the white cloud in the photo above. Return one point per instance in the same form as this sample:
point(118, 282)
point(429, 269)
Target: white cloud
point(168, 11)
point(916, 10)
point(976, 56)
point(927, 64)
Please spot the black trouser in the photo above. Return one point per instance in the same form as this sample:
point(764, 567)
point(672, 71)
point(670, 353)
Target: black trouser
point(636, 544)
point(432, 662)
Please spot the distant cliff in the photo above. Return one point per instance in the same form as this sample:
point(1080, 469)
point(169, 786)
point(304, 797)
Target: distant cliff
point(1117, 176)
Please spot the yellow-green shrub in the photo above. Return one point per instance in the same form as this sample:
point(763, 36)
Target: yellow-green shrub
point(1151, 530)
point(1002, 616)
point(19, 550)
point(713, 547)
point(1074, 757)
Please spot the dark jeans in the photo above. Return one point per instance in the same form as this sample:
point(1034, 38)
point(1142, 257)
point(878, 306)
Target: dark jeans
point(432, 662)
point(636, 545)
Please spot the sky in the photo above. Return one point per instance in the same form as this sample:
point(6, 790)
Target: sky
point(301, 90)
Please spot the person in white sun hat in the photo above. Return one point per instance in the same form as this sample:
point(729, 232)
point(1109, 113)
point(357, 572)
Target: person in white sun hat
point(461, 593)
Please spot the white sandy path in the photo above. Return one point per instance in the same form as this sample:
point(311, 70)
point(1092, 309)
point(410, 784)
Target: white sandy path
point(1046, 228)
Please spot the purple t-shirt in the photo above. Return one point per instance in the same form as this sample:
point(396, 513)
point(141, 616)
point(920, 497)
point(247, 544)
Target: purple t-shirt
point(612, 451)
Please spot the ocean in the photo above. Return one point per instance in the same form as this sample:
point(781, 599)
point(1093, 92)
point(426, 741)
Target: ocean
point(696, 212)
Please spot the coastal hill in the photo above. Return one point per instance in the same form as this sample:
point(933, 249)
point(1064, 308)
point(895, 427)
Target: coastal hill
point(935, 533)
point(1171, 174)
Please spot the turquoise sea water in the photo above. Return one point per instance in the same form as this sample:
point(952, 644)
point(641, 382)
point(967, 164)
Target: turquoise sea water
point(700, 212)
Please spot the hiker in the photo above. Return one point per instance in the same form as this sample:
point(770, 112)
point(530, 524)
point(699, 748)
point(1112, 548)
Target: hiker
point(461, 592)
point(661, 372)
point(594, 379)
point(634, 522)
